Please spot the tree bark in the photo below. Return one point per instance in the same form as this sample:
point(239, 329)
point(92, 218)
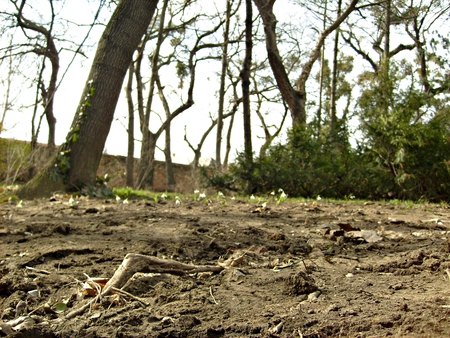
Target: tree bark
point(222, 87)
point(50, 52)
point(145, 174)
point(130, 150)
point(333, 118)
point(78, 158)
point(294, 98)
point(245, 76)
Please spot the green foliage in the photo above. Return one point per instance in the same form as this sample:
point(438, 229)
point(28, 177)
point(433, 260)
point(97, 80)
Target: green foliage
point(98, 190)
point(405, 152)
point(219, 181)
point(61, 166)
point(83, 112)
point(400, 160)
point(304, 167)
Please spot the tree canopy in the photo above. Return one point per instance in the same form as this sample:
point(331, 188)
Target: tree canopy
point(366, 84)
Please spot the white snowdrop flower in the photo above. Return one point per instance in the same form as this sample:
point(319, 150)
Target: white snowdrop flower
point(220, 194)
point(252, 197)
point(273, 193)
point(71, 200)
point(125, 201)
point(283, 195)
point(202, 195)
point(233, 198)
point(352, 197)
point(319, 198)
point(163, 196)
point(196, 191)
point(117, 198)
point(19, 205)
point(280, 190)
point(177, 202)
point(264, 205)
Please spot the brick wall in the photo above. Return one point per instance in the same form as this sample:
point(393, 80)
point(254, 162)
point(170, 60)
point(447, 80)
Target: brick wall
point(114, 166)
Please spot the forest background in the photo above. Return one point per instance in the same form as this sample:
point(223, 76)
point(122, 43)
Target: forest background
point(332, 98)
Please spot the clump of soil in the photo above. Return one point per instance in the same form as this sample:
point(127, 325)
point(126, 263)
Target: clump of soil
point(313, 269)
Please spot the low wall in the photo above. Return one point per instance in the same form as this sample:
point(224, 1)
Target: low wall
point(115, 167)
point(14, 165)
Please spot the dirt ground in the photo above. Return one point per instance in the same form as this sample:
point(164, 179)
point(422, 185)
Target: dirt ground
point(296, 269)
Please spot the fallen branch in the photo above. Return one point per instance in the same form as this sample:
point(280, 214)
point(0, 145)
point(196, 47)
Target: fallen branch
point(134, 263)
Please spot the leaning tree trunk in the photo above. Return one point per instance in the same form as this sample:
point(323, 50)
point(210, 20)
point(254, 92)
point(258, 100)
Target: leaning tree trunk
point(78, 158)
point(294, 100)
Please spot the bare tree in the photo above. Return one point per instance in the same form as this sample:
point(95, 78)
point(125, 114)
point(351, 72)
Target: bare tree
point(223, 73)
point(78, 158)
point(294, 98)
point(44, 46)
point(185, 69)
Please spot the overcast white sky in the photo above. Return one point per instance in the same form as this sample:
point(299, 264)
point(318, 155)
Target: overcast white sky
point(18, 125)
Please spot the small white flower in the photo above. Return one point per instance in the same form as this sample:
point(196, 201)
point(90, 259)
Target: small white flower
point(352, 197)
point(202, 195)
point(71, 200)
point(196, 191)
point(280, 190)
point(177, 202)
point(252, 197)
point(163, 196)
point(125, 201)
point(264, 205)
point(283, 195)
point(220, 194)
point(233, 198)
point(19, 205)
point(319, 198)
point(273, 193)
point(117, 198)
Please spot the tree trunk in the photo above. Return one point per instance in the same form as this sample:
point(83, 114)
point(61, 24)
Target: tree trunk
point(222, 87)
point(49, 51)
point(294, 100)
point(333, 118)
point(77, 161)
point(170, 177)
point(321, 74)
point(245, 76)
point(146, 174)
point(130, 150)
point(146, 170)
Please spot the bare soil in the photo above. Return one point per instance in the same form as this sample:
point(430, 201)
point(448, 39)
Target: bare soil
point(297, 269)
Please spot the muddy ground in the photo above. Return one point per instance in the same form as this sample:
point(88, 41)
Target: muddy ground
point(297, 269)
